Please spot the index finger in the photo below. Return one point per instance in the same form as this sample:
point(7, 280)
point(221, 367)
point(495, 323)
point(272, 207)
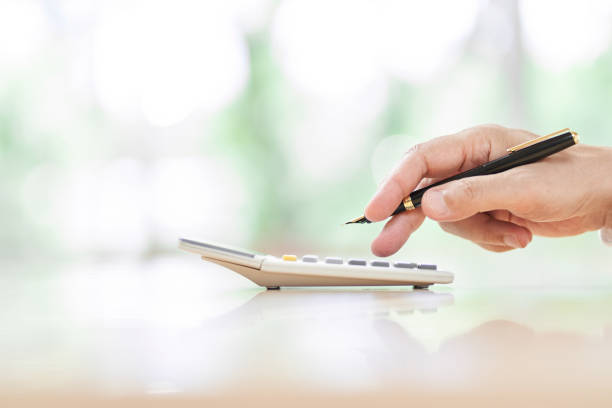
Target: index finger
point(440, 157)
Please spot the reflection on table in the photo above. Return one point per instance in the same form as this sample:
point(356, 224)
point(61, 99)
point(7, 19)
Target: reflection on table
point(137, 330)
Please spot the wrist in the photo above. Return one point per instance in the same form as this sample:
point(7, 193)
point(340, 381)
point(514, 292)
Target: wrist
point(606, 231)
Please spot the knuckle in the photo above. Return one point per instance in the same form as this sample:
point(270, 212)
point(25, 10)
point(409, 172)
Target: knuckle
point(493, 126)
point(469, 189)
point(417, 154)
point(488, 127)
point(414, 150)
point(488, 135)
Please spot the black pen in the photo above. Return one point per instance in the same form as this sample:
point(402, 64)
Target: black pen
point(525, 153)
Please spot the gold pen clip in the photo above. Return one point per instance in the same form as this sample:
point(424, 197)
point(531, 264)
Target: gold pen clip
point(541, 139)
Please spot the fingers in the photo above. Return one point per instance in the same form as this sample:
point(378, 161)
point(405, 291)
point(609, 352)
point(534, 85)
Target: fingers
point(440, 157)
point(490, 233)
point(416, 164)
point(482, 229)
point(463, 198)
point(396, 232)
point(495, 248)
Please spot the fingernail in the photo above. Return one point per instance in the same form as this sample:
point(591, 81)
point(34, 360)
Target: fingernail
point(437, 204)
point(512, 241)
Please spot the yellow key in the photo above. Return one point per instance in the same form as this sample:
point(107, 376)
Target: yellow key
point(289, 258)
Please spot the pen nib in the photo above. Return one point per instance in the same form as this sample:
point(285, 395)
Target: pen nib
point(358, 220)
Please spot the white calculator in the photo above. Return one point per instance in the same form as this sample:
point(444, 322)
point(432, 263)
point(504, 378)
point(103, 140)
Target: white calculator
point(310, 270)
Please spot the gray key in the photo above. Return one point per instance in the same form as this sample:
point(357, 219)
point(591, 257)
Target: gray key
point(333, 260)
point(430, 267)
point(361, 262)
point(409, 265)
point(310, 258)
point(380, 263)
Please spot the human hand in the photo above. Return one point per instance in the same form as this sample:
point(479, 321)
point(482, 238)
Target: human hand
point(565, 194)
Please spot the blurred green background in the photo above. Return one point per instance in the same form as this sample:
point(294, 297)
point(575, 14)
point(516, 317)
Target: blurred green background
point(266, 124)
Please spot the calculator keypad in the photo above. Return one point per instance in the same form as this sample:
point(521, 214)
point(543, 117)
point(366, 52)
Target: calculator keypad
point(361, 262)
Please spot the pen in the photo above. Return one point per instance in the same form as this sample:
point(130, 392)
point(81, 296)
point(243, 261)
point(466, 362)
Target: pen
point(525, 153)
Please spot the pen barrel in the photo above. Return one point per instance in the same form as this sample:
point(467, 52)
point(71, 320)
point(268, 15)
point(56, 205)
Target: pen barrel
point(521, 157)
point(400, 208)
point(529, 154)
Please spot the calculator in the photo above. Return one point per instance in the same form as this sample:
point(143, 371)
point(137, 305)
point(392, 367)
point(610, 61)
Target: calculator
point(310, 270)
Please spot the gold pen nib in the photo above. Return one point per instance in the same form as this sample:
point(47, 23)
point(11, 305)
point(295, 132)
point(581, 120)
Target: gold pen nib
point(358, 220)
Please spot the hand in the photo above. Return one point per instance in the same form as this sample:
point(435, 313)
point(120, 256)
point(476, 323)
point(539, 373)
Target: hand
point(564, 194)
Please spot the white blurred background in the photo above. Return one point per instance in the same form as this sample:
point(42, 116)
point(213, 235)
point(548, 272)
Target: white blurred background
point(265, 124)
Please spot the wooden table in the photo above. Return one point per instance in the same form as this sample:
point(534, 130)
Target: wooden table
point(173, 332)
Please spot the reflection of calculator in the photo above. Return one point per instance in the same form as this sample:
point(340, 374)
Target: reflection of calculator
point(273, 272)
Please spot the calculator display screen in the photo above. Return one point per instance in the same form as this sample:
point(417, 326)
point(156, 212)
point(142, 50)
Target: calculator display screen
point(217, 248)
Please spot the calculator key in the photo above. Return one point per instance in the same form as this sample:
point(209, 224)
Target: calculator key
point(361, 262)
point(310, 258)
point(289, 258)
point(408, 265)
point(430, 267)
point(333, 260)
point(380, 263)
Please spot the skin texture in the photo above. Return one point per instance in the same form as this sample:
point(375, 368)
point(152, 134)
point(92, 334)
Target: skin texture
point(565, 194)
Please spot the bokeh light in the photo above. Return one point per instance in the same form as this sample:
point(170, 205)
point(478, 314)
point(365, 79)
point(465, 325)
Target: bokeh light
point(324, 48)
point(101, 207)
point(418, 39)
point(24, 29)
point(124, 125)
point(562, 34)
point(192, 196)
point(168, 59)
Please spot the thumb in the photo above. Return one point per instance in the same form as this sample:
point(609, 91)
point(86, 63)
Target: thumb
point(463, 198)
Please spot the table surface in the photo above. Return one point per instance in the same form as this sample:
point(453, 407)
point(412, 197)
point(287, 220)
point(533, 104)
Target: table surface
point(175, 330)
